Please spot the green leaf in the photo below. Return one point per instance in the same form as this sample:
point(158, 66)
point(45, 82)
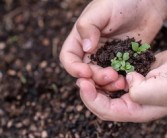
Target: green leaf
point(127, 63)
point(119, 55)
point(135, 46)
point(123, 63)
point(128, 66)
point(114, 61)
point(116, 66)
point(122, 68)
point(130, 70)
point(117, 69)
point(144, 47)
point(125, 56)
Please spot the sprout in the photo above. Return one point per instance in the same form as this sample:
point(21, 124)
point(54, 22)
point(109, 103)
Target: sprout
point(139, 49)
point(120, 62)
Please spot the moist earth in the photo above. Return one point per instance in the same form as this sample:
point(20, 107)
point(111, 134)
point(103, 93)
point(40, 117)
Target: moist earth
point(141, 62)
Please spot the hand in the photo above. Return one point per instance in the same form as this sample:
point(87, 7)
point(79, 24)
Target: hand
point(146, 100)
point(114, 19)
point(107, 19)
point(122, 109)
point(152, 89)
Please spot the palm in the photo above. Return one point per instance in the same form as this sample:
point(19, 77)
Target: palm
point(120, 109)
point(114, 19)
point(120, 22)
point(120, 19)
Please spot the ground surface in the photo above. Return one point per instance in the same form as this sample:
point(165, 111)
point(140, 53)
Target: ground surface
point(37, 97)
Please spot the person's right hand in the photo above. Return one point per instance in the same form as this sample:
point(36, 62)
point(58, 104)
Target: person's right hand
point(151, 89)
point(145, 101)
point(108, 19)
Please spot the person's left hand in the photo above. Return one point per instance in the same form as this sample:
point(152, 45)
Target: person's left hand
point(146, 100)
point(114, 20)
point(152, 89)
point(122, 109)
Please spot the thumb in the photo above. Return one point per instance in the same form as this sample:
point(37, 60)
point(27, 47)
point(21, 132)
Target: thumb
point(89, 34)
point(134, 80)
point(90, 25)
point(150, 91)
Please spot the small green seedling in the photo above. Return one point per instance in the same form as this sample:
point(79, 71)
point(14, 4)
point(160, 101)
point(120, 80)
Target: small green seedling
point(139, 49)
point(120, 62)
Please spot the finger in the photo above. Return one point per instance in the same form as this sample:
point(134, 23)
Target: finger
point(151, 91)
point(107, 78)
point(119, 84)
point(103, 76)
point(71, 56)
point(120, 109)
point(90, 24)
point(134, 80)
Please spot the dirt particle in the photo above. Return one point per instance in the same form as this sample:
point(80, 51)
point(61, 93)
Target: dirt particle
point(2, 45)
point(79, 108)
point(11, 72)
point(44, 134)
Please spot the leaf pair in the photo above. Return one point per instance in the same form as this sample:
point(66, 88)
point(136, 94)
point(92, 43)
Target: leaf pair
point(139, 49)
point(124, 56)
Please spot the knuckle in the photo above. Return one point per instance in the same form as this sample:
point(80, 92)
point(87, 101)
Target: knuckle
point(61, 57)
point(81, 24)
point(101, 117)
point(134, 95)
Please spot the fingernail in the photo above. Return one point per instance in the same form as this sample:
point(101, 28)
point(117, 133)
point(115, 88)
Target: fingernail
point(86, 45)
point(129, 78)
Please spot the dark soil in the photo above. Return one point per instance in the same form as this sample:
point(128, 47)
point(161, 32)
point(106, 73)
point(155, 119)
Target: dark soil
point(141, 62)
point(38, 99)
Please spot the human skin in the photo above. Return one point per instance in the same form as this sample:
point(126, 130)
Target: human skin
point(152, 89)
point(145, 101)
point(115, 19)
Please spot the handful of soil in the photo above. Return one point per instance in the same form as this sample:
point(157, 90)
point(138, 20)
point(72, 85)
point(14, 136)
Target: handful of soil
point(141, 62)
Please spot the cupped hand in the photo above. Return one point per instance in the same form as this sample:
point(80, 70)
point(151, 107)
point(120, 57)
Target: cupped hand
point(146, 100)
point(107, 19)
point(152, 89)
point(122, 109)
